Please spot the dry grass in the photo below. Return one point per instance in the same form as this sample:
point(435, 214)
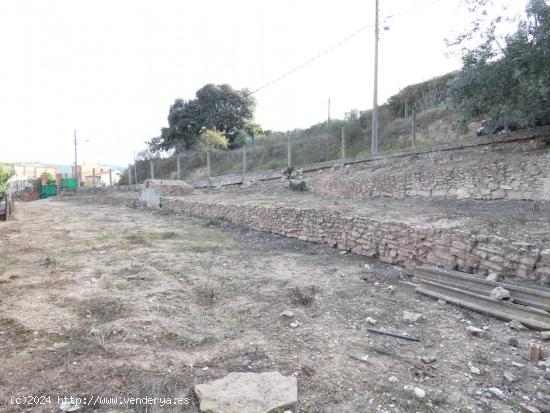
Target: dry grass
point(303, 296)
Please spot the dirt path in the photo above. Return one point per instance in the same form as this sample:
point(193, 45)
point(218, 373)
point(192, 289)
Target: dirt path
point(101, 300)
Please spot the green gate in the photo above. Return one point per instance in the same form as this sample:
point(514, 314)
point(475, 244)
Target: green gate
point(47, 191)
point(68, 183)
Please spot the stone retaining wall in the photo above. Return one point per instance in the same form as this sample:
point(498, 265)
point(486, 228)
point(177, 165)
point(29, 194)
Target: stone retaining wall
point(507, 170)
point(393, 242)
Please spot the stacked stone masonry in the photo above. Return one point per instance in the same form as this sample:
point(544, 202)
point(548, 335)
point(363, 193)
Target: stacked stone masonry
point(507, 170)
point(390, 241)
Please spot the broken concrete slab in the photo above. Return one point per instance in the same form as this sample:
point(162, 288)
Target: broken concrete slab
point(248, 393)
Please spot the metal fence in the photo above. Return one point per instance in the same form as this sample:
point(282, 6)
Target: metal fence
point(340, 140)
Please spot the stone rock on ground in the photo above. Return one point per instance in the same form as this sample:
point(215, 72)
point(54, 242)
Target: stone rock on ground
point(248, 393)
point(516, 325)
point(477, 332)
point(545, 335)
point(409, 317)
point(298, 186)
point(500, 293)
point(493, 277)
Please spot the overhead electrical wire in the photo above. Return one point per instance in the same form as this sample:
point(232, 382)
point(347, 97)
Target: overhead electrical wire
point(334, 46)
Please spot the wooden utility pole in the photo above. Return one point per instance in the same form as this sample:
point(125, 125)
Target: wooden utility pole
point(93, 177)
point(374, 145)
point(208, 163)
point(152, 170)
point(110, 178)
point(178, 165)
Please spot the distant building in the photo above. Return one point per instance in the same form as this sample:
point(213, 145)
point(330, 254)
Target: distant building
point(101, 173)
point(32, 171)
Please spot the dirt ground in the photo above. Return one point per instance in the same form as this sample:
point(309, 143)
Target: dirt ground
point(111, 301)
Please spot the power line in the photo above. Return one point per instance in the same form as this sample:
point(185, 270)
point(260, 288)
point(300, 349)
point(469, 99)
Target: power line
point(336, 45)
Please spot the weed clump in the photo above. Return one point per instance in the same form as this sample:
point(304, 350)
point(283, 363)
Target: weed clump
point(303, 296)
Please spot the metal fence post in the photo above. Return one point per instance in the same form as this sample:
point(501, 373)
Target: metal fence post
point(343, 142)
point(414, 129)
point(244, 162)
point(178, 165)
point(288, 152)
point(152, 170)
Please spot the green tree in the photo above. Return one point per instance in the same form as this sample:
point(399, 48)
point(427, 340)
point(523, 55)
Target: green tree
point(213, 139)
point(5, 174)
point(216, 107)
point(49, 178)
point(507, 79)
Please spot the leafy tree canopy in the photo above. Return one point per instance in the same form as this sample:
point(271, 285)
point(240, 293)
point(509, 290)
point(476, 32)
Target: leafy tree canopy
point(5, 174)
point(506, 78)
point(216, 108)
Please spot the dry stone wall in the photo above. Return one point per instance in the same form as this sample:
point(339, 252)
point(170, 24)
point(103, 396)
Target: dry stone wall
point(393, 242)
point(507, 170)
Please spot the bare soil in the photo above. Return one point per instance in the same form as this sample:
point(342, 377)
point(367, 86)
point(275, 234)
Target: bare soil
point(111, 301)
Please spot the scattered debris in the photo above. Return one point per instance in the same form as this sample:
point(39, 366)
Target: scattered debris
point(428, 359)
point(535, 352)
point(387, 333)
point(476, 332)
point(494, 277)
point(287, 313)
point(248, 393)
point(418, 392)
point(294, 324)
point(509, 376)
point(474, 370)
point(363, 358)
point(411, 318)
point(512, 341)
point(516, 325)
point(393, 379)
point(370, 320)
point(530, 409)
point(527, 305)
point(497, 392)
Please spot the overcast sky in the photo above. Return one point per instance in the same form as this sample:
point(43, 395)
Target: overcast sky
point(111, 68)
